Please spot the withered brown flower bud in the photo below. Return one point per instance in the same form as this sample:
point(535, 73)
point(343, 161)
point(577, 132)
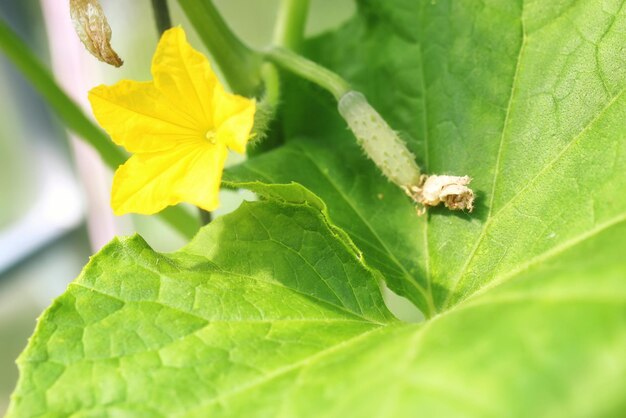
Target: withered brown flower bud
point(93, 29)
point(452, 191)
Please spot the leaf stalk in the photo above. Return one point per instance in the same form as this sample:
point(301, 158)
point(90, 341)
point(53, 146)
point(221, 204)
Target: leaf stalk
point(290, 24)
point(240, 65)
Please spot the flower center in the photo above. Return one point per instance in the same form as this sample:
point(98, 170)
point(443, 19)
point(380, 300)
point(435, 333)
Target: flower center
point(211, 136)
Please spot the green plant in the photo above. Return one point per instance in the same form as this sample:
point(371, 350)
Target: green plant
point(275, 309)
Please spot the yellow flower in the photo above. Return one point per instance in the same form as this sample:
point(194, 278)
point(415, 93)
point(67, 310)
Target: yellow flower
point(179, 128)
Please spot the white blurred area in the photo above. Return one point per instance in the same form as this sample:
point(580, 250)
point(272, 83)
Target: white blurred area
point(54, 192)
point(57, 209)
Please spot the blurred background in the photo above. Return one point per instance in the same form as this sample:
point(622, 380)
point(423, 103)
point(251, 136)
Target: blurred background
point(54, 193)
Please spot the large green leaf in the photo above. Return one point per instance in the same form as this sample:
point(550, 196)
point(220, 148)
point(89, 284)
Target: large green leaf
point(253, 300)
point(270, 312)
point(273, 311)
point(525, 97)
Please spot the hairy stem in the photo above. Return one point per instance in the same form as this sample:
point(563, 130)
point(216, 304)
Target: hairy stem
point(309, 70)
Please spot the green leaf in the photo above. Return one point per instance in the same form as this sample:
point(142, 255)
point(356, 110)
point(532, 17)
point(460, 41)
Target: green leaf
point(254, 299)
point(375, 213)
point(75, 120)
point(526, 98)
point(269, 313)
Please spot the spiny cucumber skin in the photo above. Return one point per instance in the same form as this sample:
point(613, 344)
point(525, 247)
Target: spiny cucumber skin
point(381, 144)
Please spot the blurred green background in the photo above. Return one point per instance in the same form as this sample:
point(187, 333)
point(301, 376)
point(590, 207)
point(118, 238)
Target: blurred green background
point(37, 167)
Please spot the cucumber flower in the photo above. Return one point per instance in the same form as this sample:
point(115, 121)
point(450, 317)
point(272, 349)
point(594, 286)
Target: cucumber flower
point(179, 128)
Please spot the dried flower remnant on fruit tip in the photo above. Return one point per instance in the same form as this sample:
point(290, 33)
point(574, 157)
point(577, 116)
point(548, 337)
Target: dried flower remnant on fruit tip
point(93, 29)
point(452, 191)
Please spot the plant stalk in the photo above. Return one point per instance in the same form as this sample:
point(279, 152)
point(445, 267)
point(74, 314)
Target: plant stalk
point(240, 65)
point(309, 70)
point(161, 15)
point(290, 24)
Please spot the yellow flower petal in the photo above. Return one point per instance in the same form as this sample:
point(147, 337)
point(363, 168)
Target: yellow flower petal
point(147, 183)
point(179, 127)
point(184, 76)
point(137, 117)
point(234, 119)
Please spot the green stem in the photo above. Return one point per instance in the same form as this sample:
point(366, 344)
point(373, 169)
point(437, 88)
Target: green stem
point(288, 34)
point(67, 110)
point(309, 70)
point(271, 80)
point(240, 66)
point(289, 31)
point(161, 15)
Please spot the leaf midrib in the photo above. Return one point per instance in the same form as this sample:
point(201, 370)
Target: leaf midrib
point(454, 284)
point(427, 268)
